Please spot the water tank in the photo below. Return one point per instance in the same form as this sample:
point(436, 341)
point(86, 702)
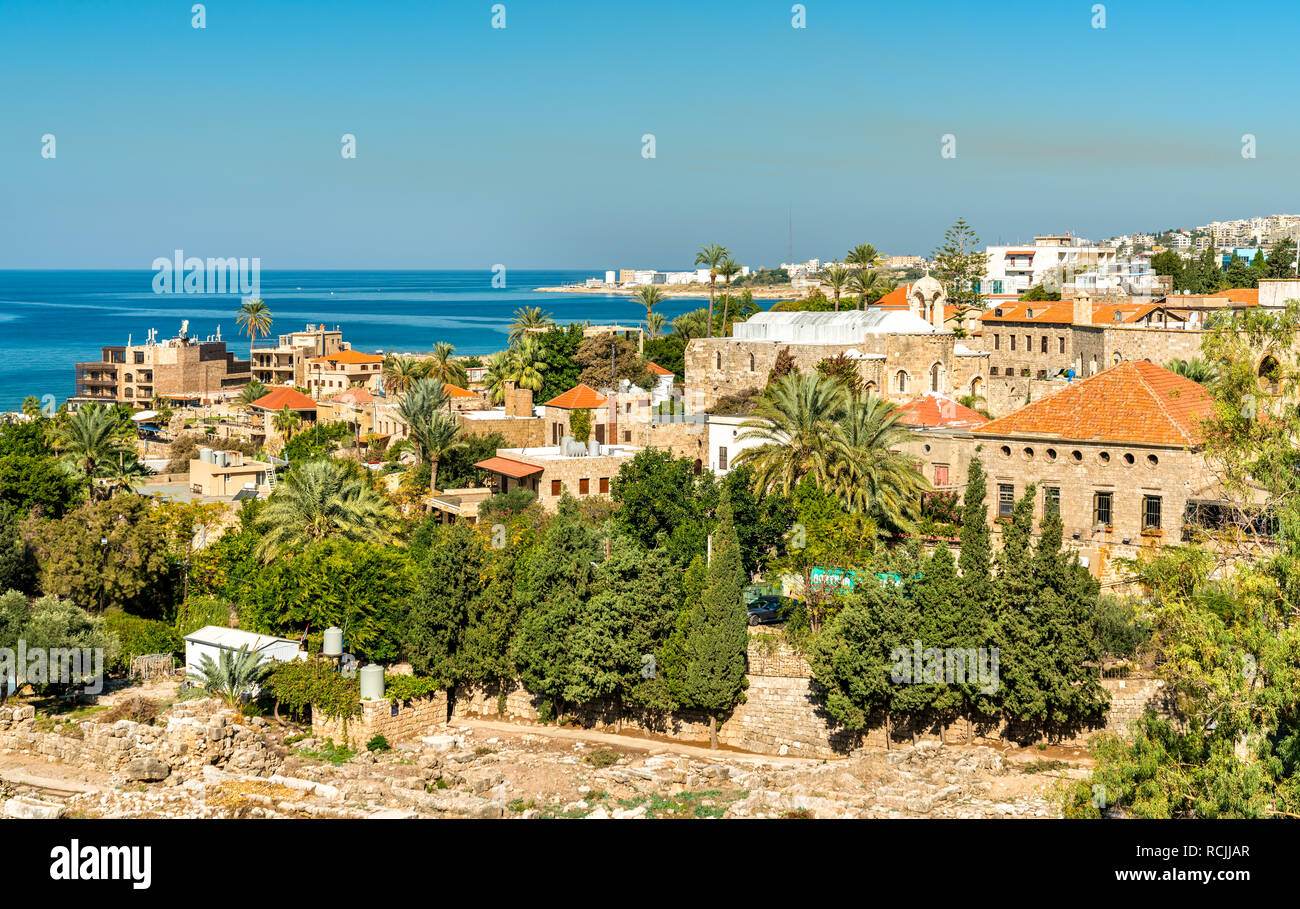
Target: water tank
point(205, 455)
point(372, 682)
point(332, 644)
point(593, 447)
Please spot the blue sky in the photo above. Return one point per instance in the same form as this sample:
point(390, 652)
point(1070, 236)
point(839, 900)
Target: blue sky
point(523, 146)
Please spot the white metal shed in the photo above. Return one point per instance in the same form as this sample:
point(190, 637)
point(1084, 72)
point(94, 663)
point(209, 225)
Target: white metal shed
point(213, 639)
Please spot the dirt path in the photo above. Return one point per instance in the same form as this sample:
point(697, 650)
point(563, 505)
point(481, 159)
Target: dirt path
point(633, 742)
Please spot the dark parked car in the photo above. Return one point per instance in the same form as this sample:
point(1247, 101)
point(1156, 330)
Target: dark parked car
point(772, 609)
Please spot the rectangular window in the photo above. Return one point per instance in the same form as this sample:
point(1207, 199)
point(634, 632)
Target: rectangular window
point(557, 487)
point(940, 474)
point(1044, 345)
point(1051, 500)
point(1013, 341)
point(1151, 512)
point(1062, 342)
point(584, 486)
point(1101, 510)
point(722, 457)
point(1006, 499)
point(1029, 343)
point(604, 485)
point(997, 342)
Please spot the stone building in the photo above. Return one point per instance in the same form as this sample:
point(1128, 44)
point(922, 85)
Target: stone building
point(1117, 454)
point(552, 471)
point(343, 369)
point(285, 361)
point(942, 443)
point(179, 367)
point(899, 353)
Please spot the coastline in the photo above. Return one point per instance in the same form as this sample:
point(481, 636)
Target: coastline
point(671, 291)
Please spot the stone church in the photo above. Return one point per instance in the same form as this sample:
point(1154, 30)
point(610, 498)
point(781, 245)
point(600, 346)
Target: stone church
point(900, 353)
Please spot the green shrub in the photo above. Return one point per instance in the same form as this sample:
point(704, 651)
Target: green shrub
point(300, 685)
point(137, 636)
point(200, 611)
point(377, 743)
point(405, 687)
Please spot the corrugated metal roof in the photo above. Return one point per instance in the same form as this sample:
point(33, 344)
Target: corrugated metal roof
point(234, 638)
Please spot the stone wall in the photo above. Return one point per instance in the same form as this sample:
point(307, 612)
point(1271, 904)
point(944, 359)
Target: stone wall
point(518, 432)
point(190, 739)
point(396, 721)
point(782, 713)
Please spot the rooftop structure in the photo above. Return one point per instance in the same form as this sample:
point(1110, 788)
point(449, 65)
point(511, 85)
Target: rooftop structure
point(179, 367)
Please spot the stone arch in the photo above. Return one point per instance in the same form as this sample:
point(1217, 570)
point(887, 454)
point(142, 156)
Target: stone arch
point(937, 376)
point(1270, 373)
point(870, 388)
point(901, 381)
point(977, 387)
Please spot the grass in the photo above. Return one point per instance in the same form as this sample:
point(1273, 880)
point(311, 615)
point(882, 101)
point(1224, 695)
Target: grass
point(602, 758)
point(328, 753)
point(1044, 765)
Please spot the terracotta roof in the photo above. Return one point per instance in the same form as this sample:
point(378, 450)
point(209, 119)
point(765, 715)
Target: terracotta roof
point(580, 397)
point(657, 369)
point(936, 411)
point(1247, 295)
point(897, 299)
point(282, 398)
point(349, 356)
point(516, 469)
point(1135, 401)
point(455, 391)
point(354, 396)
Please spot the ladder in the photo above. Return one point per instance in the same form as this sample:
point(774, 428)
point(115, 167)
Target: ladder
point(270, 477)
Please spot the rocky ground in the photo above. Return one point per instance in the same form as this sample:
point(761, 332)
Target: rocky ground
point(483, 768)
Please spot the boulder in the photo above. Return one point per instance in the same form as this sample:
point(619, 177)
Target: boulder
point(146, 769)
point(28, 808)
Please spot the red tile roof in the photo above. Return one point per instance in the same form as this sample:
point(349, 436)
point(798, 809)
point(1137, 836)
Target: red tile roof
point(455, 391)
point(657, 369)
point(1135, 401)
point(1246, 295)
point(936, 411)
point(354, 396)
point(897, 299)
point(580, 397)
point(282, 398)
point(511, 468)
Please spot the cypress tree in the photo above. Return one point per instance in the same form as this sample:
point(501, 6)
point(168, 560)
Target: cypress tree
point(717, 634)
point(448, 581)
point(560, 576)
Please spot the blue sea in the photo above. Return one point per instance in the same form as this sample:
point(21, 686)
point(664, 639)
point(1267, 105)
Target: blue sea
point(50, 320)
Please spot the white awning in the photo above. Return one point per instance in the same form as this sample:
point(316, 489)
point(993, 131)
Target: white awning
point(144, 415)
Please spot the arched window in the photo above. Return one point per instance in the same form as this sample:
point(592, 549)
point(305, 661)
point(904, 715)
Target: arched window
point(1270, 374)
point(936, 378)
point(719, 355)
point(1092, 367)
point(870, 388)
point(977, 387)
point(1116, 359)
point(751, 362)
point(900, 379)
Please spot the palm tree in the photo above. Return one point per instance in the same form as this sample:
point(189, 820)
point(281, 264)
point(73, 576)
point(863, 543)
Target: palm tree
point(728, 268)
point(527, 320)
point(233, 676)
point(90, 438)
point(868, 472)
point(124, 473)
point(443, 368)
point(317, 500)
point(690, 325)
point(837, 276)
point(286, 422)
point(654, 323)
point(711, 256)
point(499, 371)
point(255, 319)
point(795, 420)
point(441, 438)
point(251, 392)
point(419, 406)
point(650, 297)
point(32, 406)
point(862, 256)
point(863, 283)
point(528, 362)
point(400, 373)
point(1196, 369)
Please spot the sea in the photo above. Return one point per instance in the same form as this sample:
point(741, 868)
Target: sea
point(50, 320)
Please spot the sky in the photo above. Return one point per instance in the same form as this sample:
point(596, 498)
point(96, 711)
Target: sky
point(523, 145)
